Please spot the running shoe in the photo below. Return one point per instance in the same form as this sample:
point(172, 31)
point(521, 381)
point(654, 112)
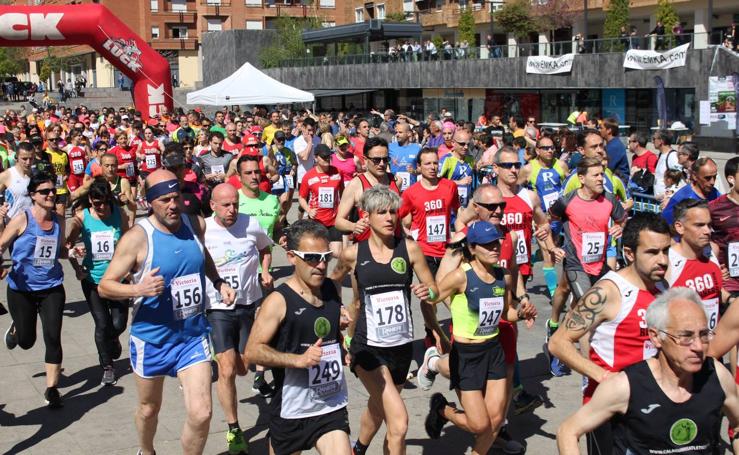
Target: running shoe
point(550, 330)
point(434, 420)
point(557, 368)
point(425, 376)
point(108, 376)
point(261, 387)
point(11, 339)
point(507, 444)
point(53, 399)
point(525, 402)
point(236, 443)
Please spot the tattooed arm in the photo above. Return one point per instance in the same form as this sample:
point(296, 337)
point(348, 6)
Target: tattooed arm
point(601, 303)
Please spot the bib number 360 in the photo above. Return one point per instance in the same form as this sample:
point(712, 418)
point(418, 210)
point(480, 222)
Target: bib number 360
point(187, 295)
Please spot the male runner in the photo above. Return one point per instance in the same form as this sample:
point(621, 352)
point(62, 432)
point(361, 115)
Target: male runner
point(169, 330)
point(612, 314)
point(215, 163)
point(725, 223)
point(232, 140)
point(298, 333)
point(403, 155)
point(237, 244)
point(458, 165)
point(60, 163)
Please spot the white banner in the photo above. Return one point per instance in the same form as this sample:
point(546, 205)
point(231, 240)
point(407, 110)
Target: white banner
point(549, 65)
point(653, 60)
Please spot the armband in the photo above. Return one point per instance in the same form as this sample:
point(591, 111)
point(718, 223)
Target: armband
point(347, 342)
point(432, 294)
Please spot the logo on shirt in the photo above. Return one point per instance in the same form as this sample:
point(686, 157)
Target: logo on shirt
point(650, 408)
point(498, 291)
point(321, 327)
point(683, 431)
point(399, 266)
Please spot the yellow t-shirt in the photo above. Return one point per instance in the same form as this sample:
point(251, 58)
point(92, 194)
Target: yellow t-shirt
point(269, 134)
point(519, 132)
point(60, 163)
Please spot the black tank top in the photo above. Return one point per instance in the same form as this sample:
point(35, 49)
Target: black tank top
point(384, 318)
point(655, 424)
point(320, 389)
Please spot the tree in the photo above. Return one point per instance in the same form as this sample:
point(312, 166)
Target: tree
point(289, 40)
point(10, 61)
point(516, 17)
point(617, 16)
point(397, 16)
point(466, 27)
point(555, 14)
point(50, 64)
point(667, 15)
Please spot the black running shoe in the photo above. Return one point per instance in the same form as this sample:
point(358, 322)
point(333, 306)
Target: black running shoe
point(261, 387)
point(53, 399)
point(434, 420)
point(11, 339)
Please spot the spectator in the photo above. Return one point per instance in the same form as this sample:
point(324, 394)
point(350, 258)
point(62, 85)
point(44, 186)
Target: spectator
point(643, 158)
point(659, 33)
point(618, 162)
point(702, 186)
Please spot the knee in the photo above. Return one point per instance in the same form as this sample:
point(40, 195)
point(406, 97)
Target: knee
point(226, 367)
point(27, 341)
point(200, 415)
point(496, 421)
point(479, 426)
point(397, 427)
point(149, 411)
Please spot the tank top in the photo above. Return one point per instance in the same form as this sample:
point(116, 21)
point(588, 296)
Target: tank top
point(653, 423)
point(547, 181)
point(320, 389)
point(100, 238)
point(35, 257)
point(365, 186)
point(384, 318)
point(701, 275)
point(623, 341)
point(152, 156)
point(176, 315)
point(519, 217)
point(477, 311)
point(77, 160)
point(347, 168)
point(125, 157)
point(16, 193)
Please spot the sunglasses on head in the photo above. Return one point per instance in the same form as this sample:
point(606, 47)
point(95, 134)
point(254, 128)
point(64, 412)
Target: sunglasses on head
point(511, 165)
point(492, 206)
point(312, 257)
point(378, 159)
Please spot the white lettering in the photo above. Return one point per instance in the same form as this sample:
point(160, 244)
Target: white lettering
point(120, 53)
point(44, 26)
point(155, 97)
point(8, 24)
point(35, 26)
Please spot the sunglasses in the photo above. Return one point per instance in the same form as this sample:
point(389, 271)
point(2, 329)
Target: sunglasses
point(312, 257)
point(462, 144)
point(511, 165)
point(379, 159)
point(46, 191)
point(546, 147)
point(492, 206)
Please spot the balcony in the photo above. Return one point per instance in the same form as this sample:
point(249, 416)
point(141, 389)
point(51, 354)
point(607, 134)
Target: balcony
point(176, 17)
point(182, 44)
point(215, 7)
point(449, 14)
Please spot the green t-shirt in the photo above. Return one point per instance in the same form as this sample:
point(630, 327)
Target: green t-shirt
point(266, 209)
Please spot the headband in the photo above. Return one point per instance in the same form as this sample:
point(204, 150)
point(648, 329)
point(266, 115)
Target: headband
point(162, 188)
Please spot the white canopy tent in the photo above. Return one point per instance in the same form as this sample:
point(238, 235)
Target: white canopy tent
point(248, 85)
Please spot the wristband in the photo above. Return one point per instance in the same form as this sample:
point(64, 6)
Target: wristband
point(347, 341)
point(432, 294)
point(525, 295)
point(217, 282)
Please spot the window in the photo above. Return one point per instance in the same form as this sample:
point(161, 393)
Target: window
point(328, 24)
point(380, 14)
point(154, 5)
point(155, 33)
point(254, 25)
point(179, 32)
point(256, 3)
point(359, 15)
point(407, 6)
point(179, 5)
point(327, 3)
point(215, 24)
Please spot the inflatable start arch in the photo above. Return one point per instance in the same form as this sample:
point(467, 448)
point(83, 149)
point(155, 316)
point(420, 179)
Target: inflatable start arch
point(96, 26)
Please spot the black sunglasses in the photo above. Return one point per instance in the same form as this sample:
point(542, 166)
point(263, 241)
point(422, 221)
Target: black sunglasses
point(462, 144)
point(45, 191)
point(511, 165)
point(379, 159)
point(546, 147)
point(491, 206)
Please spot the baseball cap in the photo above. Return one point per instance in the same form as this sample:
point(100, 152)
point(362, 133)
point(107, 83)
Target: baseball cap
point(482, 232)
point(280, 135)
point(251, 140)
point(342, 140)
point(323, 151)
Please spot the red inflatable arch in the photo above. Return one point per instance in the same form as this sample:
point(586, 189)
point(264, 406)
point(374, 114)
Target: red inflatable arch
point(96, 26)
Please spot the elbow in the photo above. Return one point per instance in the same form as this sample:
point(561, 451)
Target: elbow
point(104, 290)
point(555, 346)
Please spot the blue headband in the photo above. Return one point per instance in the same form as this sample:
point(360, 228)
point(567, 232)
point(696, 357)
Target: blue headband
point(162, 188)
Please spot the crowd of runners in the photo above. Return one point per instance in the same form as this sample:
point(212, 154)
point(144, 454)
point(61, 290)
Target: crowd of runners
point(170, 224)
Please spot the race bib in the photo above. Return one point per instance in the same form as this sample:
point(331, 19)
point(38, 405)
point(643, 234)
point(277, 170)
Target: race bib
point(711, 308)
point(326, 378)
point(231, 274)
point(129, 170)
point(59, 180)
point(78, 167)
point(488, 315)
point(521, 249)
point(436, 228)
point(279, 184)
point(390, 315)
point(549, 200)
point(44, 254)
point(151, 161)
point(325, 197)
point(187, 295)
point(102, 245)
point(733, 255)
point(290, 182)
point(405, 180)
point(462, 190)
point(593, 246)
point(217, 169)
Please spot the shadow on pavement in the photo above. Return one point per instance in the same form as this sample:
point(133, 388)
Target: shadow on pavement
point(76, 309)
point(453, 441)
point(77, 403)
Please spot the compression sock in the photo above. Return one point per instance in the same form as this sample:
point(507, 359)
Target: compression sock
point(550, 277)
point(552, 324)
point(359, 448)
point(258, 376)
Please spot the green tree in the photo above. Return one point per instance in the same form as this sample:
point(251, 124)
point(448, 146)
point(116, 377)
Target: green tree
point(667, 15)
point(617, 16)
point(397, 16)
point(516, 17)
point(288, 41)
point(438, 42)
point(466, 27)
point(10, 61)
point(50, 64)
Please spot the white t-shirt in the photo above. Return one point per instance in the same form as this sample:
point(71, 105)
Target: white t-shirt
point(235, 252)
point(661, 167)
point(303, 166)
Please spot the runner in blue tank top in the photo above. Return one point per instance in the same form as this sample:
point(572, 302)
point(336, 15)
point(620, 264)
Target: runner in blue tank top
point(36, 277)
point(169, 332)
point(100, 226)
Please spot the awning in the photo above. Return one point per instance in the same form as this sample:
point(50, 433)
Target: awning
point(325, 93)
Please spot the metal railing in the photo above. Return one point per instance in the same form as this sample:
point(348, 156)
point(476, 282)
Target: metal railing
point(556, 48)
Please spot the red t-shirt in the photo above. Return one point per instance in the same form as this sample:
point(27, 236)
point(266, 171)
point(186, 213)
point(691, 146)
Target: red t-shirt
point(77, 164)
point(701, 275)
point(233, 149)
point(152, 156)
point(430, 212)
point(323, 191)
point(519, 216)
point(647, 160)
point(125, 156)
point(358, 147)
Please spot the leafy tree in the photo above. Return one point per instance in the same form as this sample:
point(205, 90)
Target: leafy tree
point(438, 41)
point(11, 61)
point(516, 18)
point(397, 16)
point(50, 64)
point(667, 15)
point(555, 14)
point(289, 40)
point(617, 16)
point(466, 27)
